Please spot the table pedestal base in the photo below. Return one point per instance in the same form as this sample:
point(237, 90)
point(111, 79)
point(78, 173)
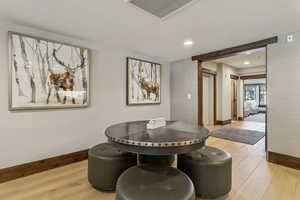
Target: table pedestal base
point(161, 160)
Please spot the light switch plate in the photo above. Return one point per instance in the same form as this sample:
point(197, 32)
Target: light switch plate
point(290, 38)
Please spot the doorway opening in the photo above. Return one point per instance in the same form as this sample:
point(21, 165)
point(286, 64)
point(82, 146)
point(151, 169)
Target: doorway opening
point(233, 67)
point(241, 92)
point(255, 100)
point(241, 96)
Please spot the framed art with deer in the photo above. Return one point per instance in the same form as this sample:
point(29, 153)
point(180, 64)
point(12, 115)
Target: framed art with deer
point(143, 82)
point(47, 74)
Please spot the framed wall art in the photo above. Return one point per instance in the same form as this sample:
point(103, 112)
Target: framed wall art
point(47, 74)
point(143, 82)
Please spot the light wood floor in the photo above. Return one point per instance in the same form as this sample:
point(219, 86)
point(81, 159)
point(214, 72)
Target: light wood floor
point(253, 177)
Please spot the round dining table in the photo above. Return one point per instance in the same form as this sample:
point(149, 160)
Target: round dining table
point(175, 138)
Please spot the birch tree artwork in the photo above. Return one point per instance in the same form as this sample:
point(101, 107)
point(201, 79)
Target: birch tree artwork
point(143, 82)
point(47, 74)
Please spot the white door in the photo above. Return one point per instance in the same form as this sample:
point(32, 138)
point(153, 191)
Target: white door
point(208, 100)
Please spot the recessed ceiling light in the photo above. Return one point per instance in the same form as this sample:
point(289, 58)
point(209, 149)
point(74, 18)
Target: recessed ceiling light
point(188, 43)
point(247, 63)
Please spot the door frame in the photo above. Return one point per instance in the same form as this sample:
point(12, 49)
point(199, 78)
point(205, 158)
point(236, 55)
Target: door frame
point(234, 78)
point(222, 54)
point(227, 53)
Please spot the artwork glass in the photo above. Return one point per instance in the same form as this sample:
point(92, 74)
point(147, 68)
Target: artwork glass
point(143, 82)
point(47, 74)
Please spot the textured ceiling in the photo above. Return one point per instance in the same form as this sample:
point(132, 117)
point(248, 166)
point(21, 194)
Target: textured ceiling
point(212, 24)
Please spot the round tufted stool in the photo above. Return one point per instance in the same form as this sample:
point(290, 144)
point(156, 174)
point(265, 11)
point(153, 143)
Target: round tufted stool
point(210, 170)
point(106, 163)
point(150, 182)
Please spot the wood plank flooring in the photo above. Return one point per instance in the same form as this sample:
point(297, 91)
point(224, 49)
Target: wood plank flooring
point(253, 177)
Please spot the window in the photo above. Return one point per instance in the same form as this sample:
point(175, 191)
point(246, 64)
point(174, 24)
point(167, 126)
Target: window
point(262, 95)
point(256, 92)
point(250, 92)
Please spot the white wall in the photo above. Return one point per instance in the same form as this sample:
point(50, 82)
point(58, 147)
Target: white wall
point(224, 91)
point(27, 136)
point(208, 100)
point(284, 97)
point(240, 98)
point(183, 82)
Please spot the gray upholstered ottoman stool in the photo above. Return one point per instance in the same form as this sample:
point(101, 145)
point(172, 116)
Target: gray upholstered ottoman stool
point(106, 163)
point(150, 182)
point(210, 170)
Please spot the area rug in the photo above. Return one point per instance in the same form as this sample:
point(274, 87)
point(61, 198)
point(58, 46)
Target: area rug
point(260, 117)
point(239, 135)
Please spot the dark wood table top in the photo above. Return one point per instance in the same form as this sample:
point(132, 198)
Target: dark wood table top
point(175, 137)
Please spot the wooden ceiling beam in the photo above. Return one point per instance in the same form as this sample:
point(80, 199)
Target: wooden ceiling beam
point(257, 76)
point(235, 50)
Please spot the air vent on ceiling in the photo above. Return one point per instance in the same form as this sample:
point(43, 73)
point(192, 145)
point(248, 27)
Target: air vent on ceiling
point(160, 8)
